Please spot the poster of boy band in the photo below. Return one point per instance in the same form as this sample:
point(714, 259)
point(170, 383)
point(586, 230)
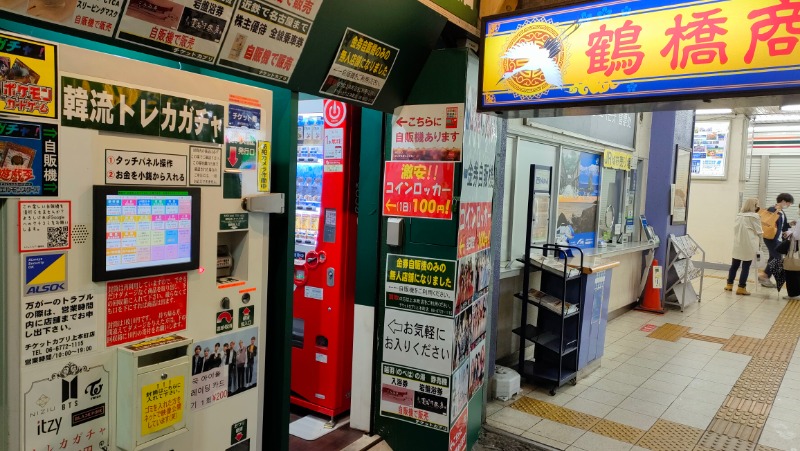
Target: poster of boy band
point(224, 366)
point(470, 349)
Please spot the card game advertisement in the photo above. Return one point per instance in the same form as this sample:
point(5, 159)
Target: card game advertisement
point(27, 77)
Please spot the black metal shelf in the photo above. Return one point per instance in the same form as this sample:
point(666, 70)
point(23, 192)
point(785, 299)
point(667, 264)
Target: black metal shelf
point(547, 373)
point(547, 339)
point(537, 266)
point(541, 306)
point(556, 339)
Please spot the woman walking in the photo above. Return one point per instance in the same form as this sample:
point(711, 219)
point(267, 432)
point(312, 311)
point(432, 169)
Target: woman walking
point(792, 276)
point(746, 238)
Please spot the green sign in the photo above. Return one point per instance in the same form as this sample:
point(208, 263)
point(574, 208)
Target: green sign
point(240, 156)
point(107, 107)
point(233, 221)
point(238, 432)
point(420, 284)
point(246, 316)
point(465, 10)
point(224, 321)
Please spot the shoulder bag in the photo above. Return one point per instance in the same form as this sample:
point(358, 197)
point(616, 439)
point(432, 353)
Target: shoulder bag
point(792, 260)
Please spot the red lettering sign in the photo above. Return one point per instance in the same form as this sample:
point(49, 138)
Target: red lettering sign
point(144, 308)
point(421, 189)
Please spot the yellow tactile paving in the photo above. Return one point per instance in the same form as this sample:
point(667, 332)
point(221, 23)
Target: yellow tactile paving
point(668, 436)
point(618, 431)
point(669, 332)
point(707, 338)
point(555, 413)
point(742, 345)
point(738, 423)
point(711, 441)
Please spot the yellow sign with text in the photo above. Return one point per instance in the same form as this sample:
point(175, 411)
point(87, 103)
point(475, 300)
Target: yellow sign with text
point(27, 77)
point(615, 159)
point(264, 161)
point(163, 404)
point(627, 49)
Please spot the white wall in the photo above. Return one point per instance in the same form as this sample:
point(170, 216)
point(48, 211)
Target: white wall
point(714, 204)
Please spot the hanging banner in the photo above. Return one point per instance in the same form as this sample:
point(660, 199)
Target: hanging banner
point(428, 132)
point(415, 396)
point(68, 409)
point(267, 37)
point(418, 190)
point(98, 17)
point(28, 158)
point(419, 284)
point(28, 77)
point(638, 51)
point(189, 28)
point(360, 68)
point(103, 106)
point(615, 159)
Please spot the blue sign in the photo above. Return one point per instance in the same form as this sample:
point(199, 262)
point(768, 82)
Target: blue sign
point(242, 117)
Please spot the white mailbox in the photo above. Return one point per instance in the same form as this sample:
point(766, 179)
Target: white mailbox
point(152, 391)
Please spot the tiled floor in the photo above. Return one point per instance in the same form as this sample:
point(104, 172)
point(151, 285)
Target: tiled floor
point(673, 395)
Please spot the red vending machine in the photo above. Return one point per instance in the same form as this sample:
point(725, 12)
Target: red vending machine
point(324, 259)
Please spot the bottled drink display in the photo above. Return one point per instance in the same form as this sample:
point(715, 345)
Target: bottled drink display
point(309, 177)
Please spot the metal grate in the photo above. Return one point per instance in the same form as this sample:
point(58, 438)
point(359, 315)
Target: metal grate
point(80, 233)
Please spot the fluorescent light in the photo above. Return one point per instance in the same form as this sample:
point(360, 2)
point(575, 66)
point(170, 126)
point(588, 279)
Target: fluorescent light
point(790, 108)
point(715, 111)
point(777, 118)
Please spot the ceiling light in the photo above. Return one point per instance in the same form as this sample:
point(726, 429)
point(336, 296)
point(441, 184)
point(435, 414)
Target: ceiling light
point(790, 108)
point(715, 111)
point(778, 118)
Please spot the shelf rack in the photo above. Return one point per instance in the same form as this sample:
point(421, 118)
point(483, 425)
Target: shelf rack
point(681, 271)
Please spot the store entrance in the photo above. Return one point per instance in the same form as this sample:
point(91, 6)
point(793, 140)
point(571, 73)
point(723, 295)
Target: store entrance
point(324, 272)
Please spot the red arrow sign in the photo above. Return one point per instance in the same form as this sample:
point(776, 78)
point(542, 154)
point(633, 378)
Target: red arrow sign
point(239, 437)
point(401, 122)
point(232, 157)
point(226, 316)
point(246, 311)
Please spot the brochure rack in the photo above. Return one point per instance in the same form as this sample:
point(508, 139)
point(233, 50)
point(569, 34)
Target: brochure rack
point(556, 334)
point(681, 271)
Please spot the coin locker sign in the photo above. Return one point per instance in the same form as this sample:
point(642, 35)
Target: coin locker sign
point(163, 404)
point(418, 189)
point(28, 75)
point(415, 396)
point(420, 284)
point(68, 410)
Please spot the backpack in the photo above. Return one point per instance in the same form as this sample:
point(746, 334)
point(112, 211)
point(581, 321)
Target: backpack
point(769, 223)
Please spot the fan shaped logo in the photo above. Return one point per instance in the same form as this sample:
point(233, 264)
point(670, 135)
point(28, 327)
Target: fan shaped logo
point(534, 58)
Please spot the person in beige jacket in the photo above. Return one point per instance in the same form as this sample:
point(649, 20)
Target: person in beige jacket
point(747, 234)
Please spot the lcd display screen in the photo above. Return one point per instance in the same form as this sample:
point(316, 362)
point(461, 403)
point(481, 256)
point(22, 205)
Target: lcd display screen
point(140, 232)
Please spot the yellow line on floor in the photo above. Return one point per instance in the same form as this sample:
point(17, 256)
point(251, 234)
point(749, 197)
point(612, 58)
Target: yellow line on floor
point(740, 420)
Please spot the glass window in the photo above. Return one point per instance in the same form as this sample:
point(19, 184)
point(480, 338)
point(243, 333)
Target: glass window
point(610, 201)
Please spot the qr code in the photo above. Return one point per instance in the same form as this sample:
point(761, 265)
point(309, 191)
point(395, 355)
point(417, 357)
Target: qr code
point(58, 236)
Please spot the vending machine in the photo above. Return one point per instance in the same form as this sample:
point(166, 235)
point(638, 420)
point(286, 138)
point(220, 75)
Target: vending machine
point(324, 260)
point(133, 293)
